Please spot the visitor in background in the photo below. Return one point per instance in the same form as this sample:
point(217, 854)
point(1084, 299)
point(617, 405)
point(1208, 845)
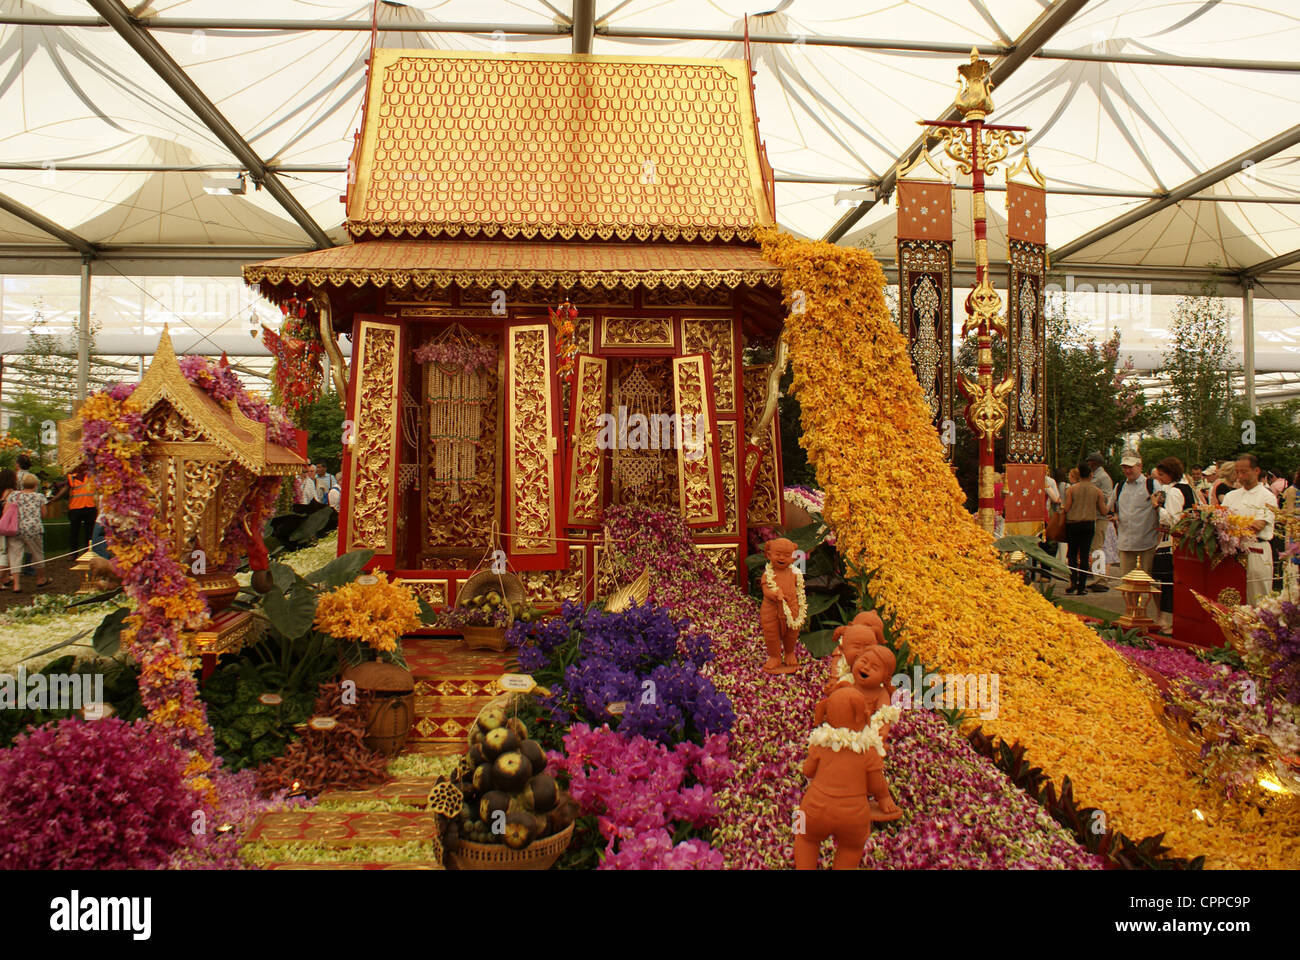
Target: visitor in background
point(304, 486)
point(24, 469)
point(80, 491)
point(1053, 493)
point(1175, 496)
point(1196, 480)
point(335, 495)
point(8, 484)
point(1084, 504)
point(1225, 481)
point(31, 532)
point(323, 483)
point(1104, 537)
point(1071, 479)
point(1135, 510)
point(1253, 499)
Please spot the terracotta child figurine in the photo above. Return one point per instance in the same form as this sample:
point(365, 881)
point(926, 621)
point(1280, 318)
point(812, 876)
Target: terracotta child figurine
point(866, 629)
point(836, 802)
point(871, 674)
point(785, 608)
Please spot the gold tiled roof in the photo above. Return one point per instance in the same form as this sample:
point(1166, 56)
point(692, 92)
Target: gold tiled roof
point(563, 146)
point(503, 263)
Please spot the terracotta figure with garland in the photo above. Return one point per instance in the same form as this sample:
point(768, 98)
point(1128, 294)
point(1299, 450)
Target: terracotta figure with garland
point(836, 803)
point(785, 608)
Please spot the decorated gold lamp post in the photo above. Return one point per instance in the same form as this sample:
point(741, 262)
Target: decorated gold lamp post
point(978, 148)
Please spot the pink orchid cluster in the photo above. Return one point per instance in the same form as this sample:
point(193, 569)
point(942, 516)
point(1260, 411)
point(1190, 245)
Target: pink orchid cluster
point(449, 354)
point(638, 789)
point(221, 383)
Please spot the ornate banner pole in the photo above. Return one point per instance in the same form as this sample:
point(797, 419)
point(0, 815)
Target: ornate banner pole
point(978, 148)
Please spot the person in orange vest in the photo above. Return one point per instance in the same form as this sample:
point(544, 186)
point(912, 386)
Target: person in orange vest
point(79, 488)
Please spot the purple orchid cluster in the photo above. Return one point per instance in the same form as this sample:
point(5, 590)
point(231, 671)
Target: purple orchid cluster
point(450, 354)
point(640, 658)
point(1169, 662)
point(644, 793)
point(221, 382)
point(1278, 639)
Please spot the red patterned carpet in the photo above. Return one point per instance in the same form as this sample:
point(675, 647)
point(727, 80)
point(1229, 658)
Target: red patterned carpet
point(452, 684)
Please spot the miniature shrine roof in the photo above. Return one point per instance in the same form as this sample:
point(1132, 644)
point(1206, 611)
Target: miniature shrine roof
point(503, 263)
point(558, 146)
point(242, 438)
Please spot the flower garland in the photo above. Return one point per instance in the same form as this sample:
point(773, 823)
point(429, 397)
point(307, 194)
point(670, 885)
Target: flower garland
point(836, 739)
point(459, 355)
point(297, 373)
point(1064, 695)
point(769, 581)
point(166, 600)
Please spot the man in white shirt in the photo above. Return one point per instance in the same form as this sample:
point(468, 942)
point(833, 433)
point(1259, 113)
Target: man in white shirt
point(323, 483)
point(1253, 499)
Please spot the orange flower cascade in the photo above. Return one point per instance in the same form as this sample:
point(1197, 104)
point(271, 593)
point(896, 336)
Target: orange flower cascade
point(896, 508)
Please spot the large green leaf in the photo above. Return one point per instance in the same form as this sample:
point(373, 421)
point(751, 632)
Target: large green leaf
point(818, 602)
point(819, 643)
point(342, 569)
point(108, 635)
point(284, 576)
point(291, 616)
point(1032, 547)
point(312, 526)
point(427, 614)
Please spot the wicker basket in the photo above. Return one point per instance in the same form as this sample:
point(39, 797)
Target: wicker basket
point(485, 638)
point(507, 584)
point(538, 855)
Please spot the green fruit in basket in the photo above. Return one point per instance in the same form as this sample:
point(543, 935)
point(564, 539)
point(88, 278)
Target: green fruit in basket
point(494, 597)
point(520, 830)
point(541, 793)
point(499, 741)
point(483, 778)
point(518, 728)
point(511, 771)
point(468, 791)
point(468, 812)
point(491, 718)
point(535, 754)
point(476, 755)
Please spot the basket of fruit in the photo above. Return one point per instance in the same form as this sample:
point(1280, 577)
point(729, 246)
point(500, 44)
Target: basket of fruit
point(514, 815)
point(485, 606)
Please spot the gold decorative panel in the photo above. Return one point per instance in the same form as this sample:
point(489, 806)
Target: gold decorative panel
point(550, 588)
point(583, 336)
point(434, 592)
point(373, 487)
point(699, 481)
point(765, 499)
point(531, 444)
point(606, 579)
point(725, 559)
point(636, 332)
point(681, 296)
point(730, 485)
point(586, 458)
point(714, 337)
point(554, 145)
point(466, 523)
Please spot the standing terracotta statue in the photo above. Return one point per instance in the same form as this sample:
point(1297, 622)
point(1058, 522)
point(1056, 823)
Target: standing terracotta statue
point(836, 802)
point(871, 675)
point(785, 608)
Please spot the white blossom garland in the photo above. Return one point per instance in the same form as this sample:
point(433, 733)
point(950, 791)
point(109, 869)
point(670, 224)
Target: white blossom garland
point(769, 580)
point(859, 741)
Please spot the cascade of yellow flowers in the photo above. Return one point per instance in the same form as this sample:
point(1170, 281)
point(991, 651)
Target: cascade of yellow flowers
point(896, 508)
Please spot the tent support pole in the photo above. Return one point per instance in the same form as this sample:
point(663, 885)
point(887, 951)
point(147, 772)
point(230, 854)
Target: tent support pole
point(1248, 339)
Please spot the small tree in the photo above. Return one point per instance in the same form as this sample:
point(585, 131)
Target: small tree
point(1198, 366)
point(323, 421)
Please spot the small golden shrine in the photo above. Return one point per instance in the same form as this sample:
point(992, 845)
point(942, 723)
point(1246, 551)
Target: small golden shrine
point(488, 190)
point(203, 460)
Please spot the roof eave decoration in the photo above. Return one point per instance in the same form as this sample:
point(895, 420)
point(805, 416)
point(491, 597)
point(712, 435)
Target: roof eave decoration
point(557, 145)
point(243, 439)
point(492, 279)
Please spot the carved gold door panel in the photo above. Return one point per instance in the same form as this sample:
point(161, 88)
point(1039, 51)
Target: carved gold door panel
point(534, 495)
point(375, 415)
point(762, 465)
point(699, 473)
point(587, 480)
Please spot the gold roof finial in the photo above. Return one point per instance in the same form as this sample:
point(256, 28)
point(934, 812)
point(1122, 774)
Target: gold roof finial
point(975, 100)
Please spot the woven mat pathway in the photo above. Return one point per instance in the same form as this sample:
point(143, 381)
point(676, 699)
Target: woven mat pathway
point(452, 684)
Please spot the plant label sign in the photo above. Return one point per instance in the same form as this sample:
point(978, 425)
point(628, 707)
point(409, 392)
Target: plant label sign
point(322, 723)
point(516, 683)
point(367, 579)
point(617, 709)
point(271, 699)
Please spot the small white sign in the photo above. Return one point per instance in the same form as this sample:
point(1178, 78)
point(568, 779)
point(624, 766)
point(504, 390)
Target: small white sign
point(617, 709)
point(516, 683)
point(367, 579)
point(271, 699)
point(322, 723)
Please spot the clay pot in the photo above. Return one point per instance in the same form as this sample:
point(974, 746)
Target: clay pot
point(392, 705)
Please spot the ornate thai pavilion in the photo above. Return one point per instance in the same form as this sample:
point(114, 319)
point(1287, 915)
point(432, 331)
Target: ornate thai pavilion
point(485, 190)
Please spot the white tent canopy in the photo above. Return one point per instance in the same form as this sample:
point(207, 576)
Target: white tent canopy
point(1169, 130)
